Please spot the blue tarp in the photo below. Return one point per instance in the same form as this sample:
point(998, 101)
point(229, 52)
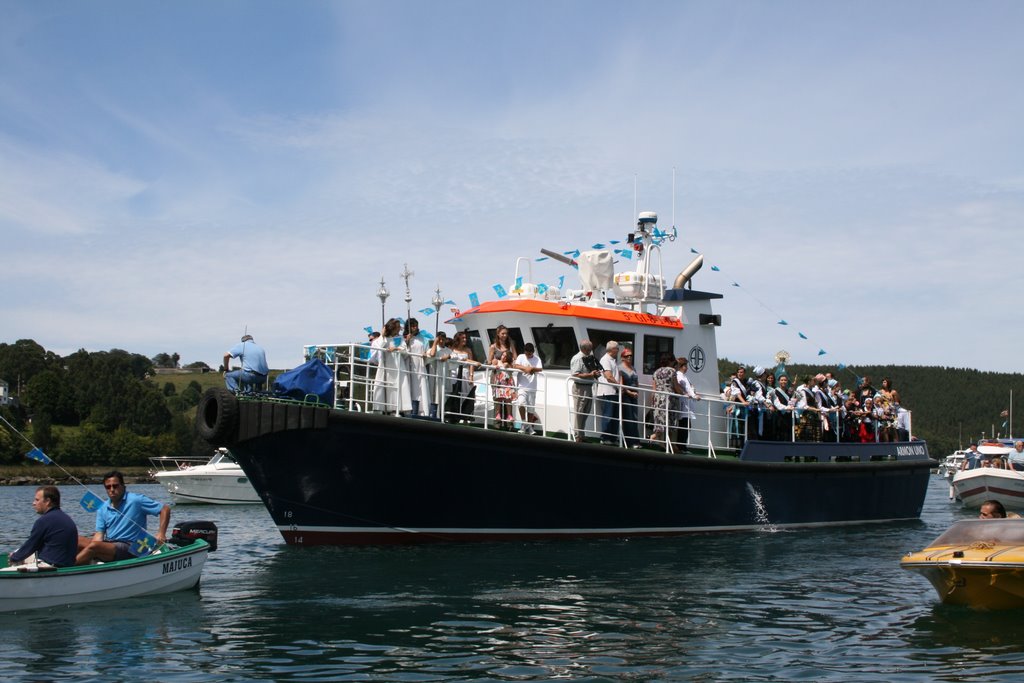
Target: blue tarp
point(312, 377)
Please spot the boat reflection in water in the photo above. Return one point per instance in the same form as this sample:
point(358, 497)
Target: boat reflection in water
point(978, 563)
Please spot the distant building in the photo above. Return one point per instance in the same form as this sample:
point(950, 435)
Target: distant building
point(5, 394)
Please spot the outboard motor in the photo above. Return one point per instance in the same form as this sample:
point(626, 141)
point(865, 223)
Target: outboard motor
point(186, 533)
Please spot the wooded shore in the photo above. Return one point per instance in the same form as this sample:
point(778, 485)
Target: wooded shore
point(41, 475)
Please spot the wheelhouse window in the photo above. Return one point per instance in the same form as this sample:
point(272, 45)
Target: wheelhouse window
point(555, 345)
point(600, 339)
point(479, 350)
point(655, 348)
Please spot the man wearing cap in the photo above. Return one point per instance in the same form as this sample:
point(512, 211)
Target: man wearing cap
point(254, 365)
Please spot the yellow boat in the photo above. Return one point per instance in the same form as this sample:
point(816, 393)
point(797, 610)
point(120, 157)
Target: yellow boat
point(976, 562)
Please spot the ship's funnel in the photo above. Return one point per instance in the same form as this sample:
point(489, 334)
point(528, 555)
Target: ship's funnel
point(688, 272)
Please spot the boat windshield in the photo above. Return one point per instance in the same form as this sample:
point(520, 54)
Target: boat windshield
point(994, 531)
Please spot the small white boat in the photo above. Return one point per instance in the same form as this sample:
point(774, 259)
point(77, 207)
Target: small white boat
point(33, 586)
point(218, 480)
point(952, 464)
point(974, 486)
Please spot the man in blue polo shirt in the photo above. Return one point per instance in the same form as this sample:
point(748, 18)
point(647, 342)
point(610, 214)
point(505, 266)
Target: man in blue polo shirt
point(254, 368)
point(120, 521)
point(54, 536)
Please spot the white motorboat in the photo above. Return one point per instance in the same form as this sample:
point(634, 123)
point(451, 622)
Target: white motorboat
point(987, 482)
point(218, 480)
point(36, 585)
point(952, 464)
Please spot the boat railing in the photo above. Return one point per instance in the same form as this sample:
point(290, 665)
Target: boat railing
point(172, 463)
point(465, 391)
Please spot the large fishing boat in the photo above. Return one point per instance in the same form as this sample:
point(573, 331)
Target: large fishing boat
point(359, 472)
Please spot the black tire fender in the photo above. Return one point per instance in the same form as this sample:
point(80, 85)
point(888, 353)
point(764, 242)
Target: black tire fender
point(217, 416)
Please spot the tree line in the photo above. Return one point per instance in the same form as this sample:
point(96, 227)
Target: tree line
point(93, 407)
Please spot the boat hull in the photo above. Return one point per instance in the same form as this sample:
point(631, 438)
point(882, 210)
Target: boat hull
point(977, 563)
point(338, 477)
point(201, 485)
point(974, 487)
point(164, 572)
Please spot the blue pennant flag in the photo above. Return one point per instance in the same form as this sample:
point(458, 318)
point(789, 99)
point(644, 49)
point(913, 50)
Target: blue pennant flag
point(542, 258)
point(474, 300)
point(842, 366)
point(449, 302)
point(427, 311)
point(802, 335)
point(542, 288)
point(597, 246)
point(626, 254)
point(615, 241)
point(369, 330)
point(143, 545)
point(91, 502)
point(426, 335)
point(561, 281)
point(519, 282)
point(716, 269)
point(783, 322)
point(500, 291)
point(822, 352)
point(38, 455)
point(693, 251)
point(735, 284)
point(659, 233)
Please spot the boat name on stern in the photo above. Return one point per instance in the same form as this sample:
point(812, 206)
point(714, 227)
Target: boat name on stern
point(177, 565)
point(911, 450)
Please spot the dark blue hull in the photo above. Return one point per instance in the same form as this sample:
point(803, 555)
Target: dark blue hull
point(334, 477)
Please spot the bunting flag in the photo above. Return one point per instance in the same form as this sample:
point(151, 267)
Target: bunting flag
point(822, 352)
point(91, 502)
point(614, 241)
point(143, 545)
point(427, 311)
point(38, 455)
point(519, 283)
point(626, 253)
point(802, 335)
point(735, 284)
point(561, 282)
point(500, 291)
point(474, 300)
point(369, 330)
point(542, 258)
point(449, 302)
point(542, 288)
point(782, 322)
point(841, 366)
point(693, 251)
point(716, 269)
point(597, 246)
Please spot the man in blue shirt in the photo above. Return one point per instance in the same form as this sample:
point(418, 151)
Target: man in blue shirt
point(54, 536)
point(254, 365)
point(120, 521)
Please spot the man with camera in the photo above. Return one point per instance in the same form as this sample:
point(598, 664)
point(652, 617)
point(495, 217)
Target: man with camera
point(585, 370)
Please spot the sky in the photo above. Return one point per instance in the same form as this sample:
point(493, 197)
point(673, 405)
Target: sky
point(173, 175)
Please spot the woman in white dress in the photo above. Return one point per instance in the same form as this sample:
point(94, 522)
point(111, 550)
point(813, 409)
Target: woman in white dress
point(416, 368)
point(391, 384)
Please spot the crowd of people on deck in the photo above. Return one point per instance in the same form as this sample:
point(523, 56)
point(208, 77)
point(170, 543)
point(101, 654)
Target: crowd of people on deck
point(816, 409)
point(412, 376)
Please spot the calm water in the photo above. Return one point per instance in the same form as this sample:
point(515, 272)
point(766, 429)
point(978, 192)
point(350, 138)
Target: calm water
point(813, 605)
